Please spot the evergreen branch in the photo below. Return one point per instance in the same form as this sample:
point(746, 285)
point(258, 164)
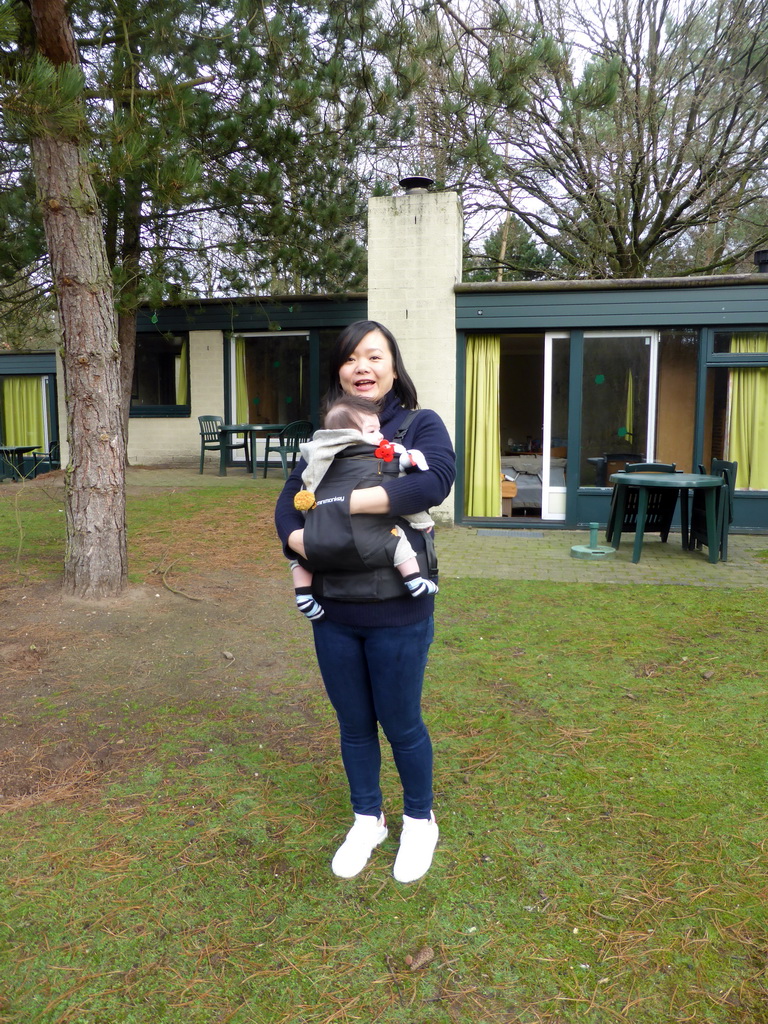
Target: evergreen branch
point(167, 91)
point(46, 99)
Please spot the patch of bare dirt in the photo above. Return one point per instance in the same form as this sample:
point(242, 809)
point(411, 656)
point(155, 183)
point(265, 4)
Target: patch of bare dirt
point(212, 640)
point(85, 689)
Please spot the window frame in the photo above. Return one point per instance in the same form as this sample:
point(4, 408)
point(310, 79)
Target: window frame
point(164, 411)
point(732, 358)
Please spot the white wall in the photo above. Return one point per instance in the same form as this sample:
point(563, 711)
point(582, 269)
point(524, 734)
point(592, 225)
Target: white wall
point(168, 440)
point(414, 261)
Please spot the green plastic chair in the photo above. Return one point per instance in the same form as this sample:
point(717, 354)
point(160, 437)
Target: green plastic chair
point(650, 467)
point(45, 462)
point(661, 504)
point(288, 444)
point(210, 438)
point(697, 535)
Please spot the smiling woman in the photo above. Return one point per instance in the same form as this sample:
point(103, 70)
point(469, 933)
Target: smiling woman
point(371, 646)
point(369, 370)
point(366, 361)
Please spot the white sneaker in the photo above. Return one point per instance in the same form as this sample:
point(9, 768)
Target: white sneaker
point(354, 853)
point(417, 845)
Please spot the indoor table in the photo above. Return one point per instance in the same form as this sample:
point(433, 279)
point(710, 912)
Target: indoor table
point(682, 482)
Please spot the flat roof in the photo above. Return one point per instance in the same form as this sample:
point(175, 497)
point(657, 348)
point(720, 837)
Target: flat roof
point(612, 283)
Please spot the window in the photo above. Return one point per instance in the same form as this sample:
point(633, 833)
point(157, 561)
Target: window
point(27, 417)
point(736, 419)
point(676, 401)
point(22, 411)
point(161, 375)
point(271, 378)
point(738, 346)
point(616, 413)
point(639, 401)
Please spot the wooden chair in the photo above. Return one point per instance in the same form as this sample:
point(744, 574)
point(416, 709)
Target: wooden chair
point(661, 504)
point(210, 438)
point(288, 444)
point(697, 535)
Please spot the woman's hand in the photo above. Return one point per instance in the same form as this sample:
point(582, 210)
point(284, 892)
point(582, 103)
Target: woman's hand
point(373, 500)
point(296, 542)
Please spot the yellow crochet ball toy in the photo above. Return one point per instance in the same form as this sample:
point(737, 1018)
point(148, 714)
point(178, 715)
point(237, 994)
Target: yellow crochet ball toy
point(304, 501)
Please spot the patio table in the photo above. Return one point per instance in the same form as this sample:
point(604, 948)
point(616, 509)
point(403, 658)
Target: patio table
point(682, 482)
point(253, 430)
point(13, 456)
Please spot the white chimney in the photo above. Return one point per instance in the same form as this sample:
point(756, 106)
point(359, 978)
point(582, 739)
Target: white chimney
point(414, 261)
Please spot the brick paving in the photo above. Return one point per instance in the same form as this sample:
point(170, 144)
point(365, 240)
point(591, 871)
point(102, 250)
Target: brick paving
point(546, 555)
point(533, 553)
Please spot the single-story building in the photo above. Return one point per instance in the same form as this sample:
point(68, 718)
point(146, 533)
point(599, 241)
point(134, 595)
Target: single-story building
point(29, 411)
point(546, 386)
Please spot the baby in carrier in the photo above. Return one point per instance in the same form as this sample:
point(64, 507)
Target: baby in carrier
point(351, 426)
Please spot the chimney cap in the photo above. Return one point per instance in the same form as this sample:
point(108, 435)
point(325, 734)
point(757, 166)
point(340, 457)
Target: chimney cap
point(761, 260)
point(416, 184)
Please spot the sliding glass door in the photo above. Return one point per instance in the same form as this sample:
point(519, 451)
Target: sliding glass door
point(555, 425)
point(269, 379)
point(618, 413)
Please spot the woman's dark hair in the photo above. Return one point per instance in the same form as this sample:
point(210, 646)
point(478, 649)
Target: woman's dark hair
point(345, 345)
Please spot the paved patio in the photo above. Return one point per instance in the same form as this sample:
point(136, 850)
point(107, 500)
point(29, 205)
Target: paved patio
point(546, 555)
point(532, 553)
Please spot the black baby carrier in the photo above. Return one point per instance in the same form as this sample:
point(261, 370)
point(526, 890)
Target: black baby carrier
point(352, 556)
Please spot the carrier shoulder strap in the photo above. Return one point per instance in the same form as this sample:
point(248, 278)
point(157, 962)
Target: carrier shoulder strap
point(402, 429)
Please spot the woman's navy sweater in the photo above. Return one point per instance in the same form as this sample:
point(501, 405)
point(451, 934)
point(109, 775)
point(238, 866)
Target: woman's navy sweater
point(415, 492)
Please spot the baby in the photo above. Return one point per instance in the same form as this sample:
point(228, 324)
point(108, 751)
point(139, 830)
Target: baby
point(353, 420)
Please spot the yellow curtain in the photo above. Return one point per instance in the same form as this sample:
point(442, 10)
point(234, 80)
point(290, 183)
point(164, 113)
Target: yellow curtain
point(242, 413)
point(483, 454)
point(182, 385)
point(629, 416)
point(748, 424)
point(22, 408)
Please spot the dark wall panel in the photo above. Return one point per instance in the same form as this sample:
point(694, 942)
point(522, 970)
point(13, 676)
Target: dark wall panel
point(612, 308)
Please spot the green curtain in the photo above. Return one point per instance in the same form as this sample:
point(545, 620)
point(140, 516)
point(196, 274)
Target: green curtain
point(182, 388)
point(22, 411)
point(748, 425)
point(482, 482)
point(242, 413)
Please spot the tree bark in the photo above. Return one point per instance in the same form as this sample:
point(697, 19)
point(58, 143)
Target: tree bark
point(126, 333)
point(95, 563)
point(128, 301)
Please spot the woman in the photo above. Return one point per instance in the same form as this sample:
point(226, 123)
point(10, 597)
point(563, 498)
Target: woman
point(372, 654)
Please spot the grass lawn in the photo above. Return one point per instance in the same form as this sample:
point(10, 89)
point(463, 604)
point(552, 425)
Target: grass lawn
point(601, 787)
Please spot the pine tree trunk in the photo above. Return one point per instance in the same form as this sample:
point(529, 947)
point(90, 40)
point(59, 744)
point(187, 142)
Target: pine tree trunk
point(126, 334)
point(95, 563)
point(128, 300)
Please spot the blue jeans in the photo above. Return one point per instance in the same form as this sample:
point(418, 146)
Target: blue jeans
point(374, 675)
